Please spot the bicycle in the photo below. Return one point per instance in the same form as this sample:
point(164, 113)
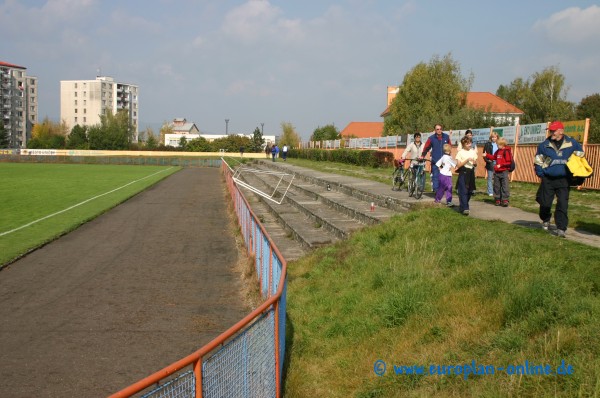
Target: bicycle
point(419, 179)
point(400, 176)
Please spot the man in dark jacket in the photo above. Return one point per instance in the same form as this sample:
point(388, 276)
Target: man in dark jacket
point(551, 166)
point(436, 144)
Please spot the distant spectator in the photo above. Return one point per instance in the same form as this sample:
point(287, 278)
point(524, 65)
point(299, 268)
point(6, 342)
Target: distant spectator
point(284, 152)
point(242, 151)
point(267, 150)
point(273, 152)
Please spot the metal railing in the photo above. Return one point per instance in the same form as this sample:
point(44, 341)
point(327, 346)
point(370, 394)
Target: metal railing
point(247, 359)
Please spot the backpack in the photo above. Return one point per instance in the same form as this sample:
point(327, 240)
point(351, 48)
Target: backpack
point(513, 165)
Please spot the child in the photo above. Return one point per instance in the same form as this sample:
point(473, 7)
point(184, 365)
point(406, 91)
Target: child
point(466, 160)
point(445, 182)
point(503, 158)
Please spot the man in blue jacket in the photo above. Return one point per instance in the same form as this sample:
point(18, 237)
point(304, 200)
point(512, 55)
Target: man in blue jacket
point(436, 144)
point(551, 166)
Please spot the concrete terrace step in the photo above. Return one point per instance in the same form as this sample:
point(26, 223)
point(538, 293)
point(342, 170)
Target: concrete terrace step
point(314, 211)
point(308, 197)
point(358, 188)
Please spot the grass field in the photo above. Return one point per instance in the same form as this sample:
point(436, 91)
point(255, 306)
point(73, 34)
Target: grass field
point(31, 192)
point(432, 287)
point(435, 288)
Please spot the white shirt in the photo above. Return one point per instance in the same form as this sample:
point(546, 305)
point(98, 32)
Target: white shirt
point(445, 164)
point(470, 155)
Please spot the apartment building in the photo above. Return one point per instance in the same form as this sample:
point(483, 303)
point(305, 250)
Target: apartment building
point(83, 101)
point(18, 103)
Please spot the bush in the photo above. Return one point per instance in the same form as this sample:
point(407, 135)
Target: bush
point(351, 156)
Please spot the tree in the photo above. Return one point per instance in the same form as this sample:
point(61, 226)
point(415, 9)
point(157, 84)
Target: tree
point(165, 129)
point(151, 141)
point(327, 132)
point(429, 94)
point(78, 138)
point(113, 133)
point(48, 135)
point(182, 143)
point(542, 97)
point(590, 107)
point(289, 135)
point(257, 141)
point(4, 138)
point(199, 144)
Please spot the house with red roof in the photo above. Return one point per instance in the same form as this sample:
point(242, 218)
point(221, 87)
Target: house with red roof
point(362, 130)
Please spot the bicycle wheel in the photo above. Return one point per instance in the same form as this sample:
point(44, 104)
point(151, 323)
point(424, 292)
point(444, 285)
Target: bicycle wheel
point(397, 178)
point(411, 184)
point(419, 184)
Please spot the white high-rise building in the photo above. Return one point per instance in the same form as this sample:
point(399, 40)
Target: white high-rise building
point(83, 101)
point(18, 103)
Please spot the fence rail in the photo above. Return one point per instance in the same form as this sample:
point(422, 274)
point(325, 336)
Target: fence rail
point(247, 359)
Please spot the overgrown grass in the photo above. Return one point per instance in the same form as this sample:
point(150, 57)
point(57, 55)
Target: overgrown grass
point(434, 287)
point(32, 191)
point(584, 206)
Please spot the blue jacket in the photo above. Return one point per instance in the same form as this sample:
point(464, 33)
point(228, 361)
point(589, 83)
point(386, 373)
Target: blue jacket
point(437, 147)
point(551, 161)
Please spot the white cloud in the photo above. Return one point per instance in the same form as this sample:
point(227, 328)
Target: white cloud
point(258, 20)
point(572, 26)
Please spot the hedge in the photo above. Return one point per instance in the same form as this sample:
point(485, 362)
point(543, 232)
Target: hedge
point(351, 156)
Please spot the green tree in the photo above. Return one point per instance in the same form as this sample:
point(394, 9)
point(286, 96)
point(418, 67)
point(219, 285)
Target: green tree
point(327, 132)
point(589, 107)
point(199, 144)
point(113, 133)
point(430, 93)
point(4, 138)
point(542, 97)
point(257, 141)
point(182, 143)
point(151, 141)
point(289, 135)
point(231, 143)
point(78, 138)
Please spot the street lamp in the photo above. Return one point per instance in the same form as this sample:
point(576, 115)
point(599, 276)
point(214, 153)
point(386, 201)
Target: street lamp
point(262, 128)
point(226, 126)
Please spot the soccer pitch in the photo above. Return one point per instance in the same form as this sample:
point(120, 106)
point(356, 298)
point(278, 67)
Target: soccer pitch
point(39, 201)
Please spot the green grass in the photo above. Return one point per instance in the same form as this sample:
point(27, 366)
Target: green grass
point(30, 192)
point(584, 206)
point(435, 287)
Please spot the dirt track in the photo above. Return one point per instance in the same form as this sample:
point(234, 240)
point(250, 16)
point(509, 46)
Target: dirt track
point(136, 289)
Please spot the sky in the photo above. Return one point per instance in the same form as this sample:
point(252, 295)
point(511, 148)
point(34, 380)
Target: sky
point(306, 62)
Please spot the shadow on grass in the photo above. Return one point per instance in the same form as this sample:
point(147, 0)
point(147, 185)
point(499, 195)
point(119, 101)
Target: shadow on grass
point(587, 228)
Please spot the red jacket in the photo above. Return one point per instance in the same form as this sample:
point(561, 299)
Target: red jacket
point(503, 158)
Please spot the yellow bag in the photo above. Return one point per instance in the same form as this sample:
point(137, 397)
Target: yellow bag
point(579, 167)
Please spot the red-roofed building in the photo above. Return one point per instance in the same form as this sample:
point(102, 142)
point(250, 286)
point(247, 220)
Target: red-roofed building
point(362, 130)
point(485, 101)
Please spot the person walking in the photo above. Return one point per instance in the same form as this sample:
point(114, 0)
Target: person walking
point(466, 160)
point(490, 148)
point(284, 152)
point(445, 164)
point(502, 158)
point(550, 166)
point(436, 143)
point(273, 152)
point(267, 150)
point(413, 150)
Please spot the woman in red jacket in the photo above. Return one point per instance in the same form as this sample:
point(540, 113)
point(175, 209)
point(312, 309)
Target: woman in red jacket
point(503, 157)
